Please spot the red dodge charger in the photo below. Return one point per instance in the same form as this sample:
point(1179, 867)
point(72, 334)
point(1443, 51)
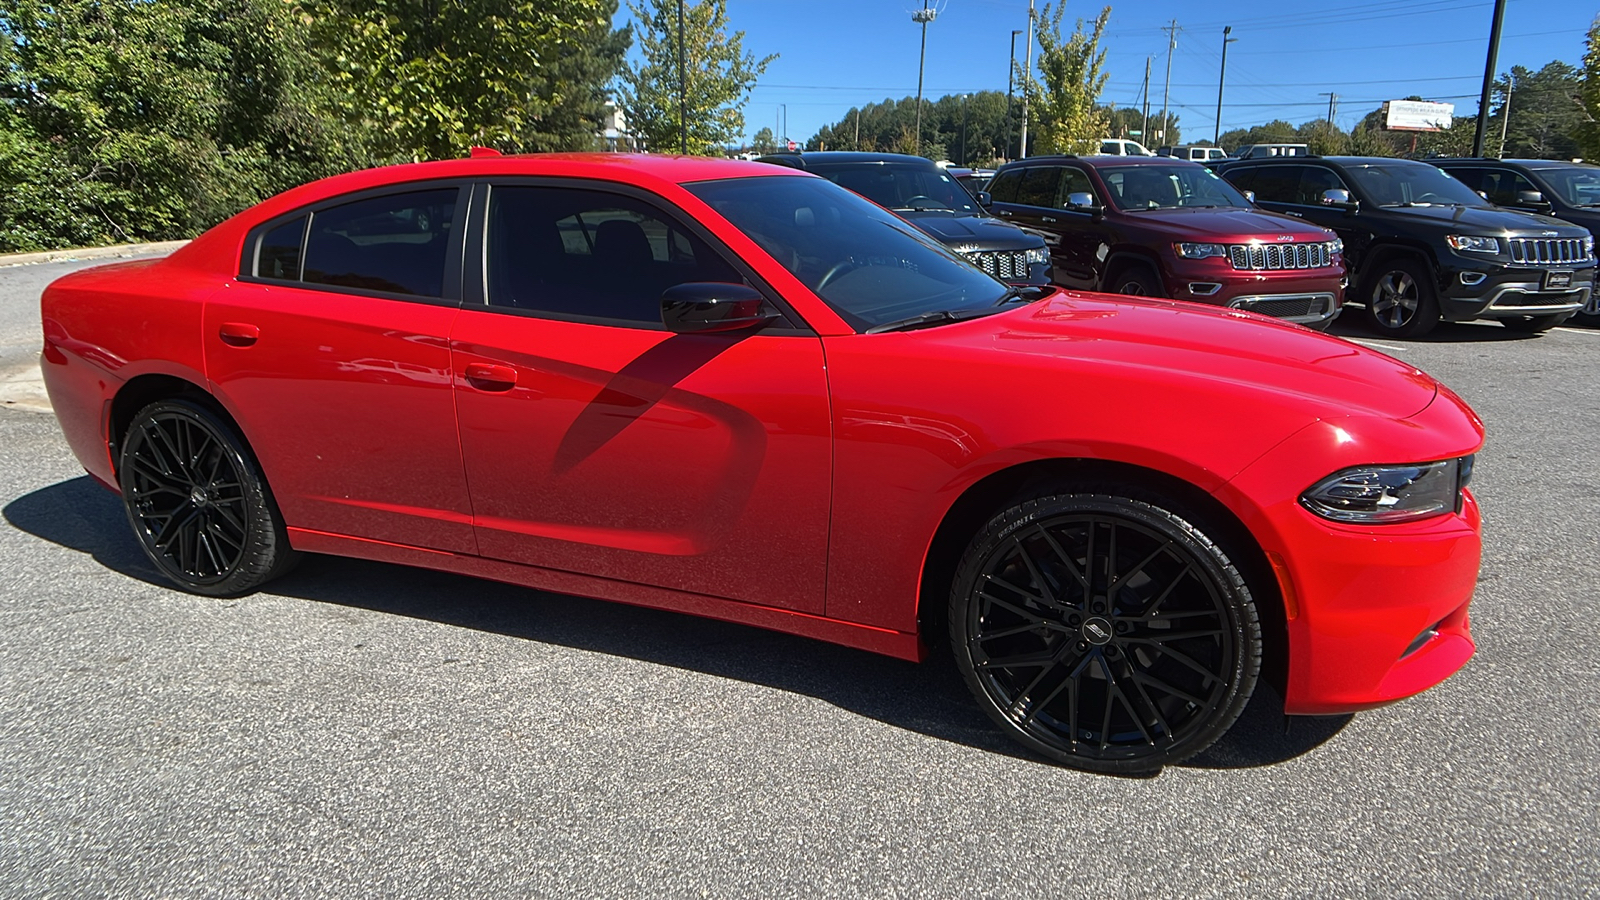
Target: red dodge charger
point(740, 391)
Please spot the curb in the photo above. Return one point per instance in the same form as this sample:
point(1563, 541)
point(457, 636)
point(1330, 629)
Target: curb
point(116, 251)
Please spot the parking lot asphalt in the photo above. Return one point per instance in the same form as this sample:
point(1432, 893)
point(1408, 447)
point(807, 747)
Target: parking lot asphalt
point(371, 730)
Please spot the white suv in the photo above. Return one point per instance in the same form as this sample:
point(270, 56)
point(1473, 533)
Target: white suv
point(1120, 147)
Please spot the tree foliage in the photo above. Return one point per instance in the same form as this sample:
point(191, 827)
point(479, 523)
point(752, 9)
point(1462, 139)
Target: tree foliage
point(1071, 79)
point(717, 75)
point(1588, 131)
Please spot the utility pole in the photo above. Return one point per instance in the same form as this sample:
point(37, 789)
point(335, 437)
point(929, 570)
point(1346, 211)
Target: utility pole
point(1144, 129)
point(1333, 102)
point(1216, 138)
point(784, 109)
point(963, 129)
point(1488, 75)
point(858, 128)
point(924, 16)
point(1505, 115)
point(1172, 44)
point(1027, 69)
point(683, 90)
point(1010, 78)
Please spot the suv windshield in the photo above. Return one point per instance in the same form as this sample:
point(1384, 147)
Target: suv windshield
point(1168, 187)
point(1576, 185)
point(1402, 183)
point(869, 265)
point(900, 187)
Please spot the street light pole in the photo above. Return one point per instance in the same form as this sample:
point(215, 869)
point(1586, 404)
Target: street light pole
point(923, 16)
point(1488, 76)
point(1216, 138)
point(683, 90)
point(964, 129)
point(1010, 77)
point(1027, 69)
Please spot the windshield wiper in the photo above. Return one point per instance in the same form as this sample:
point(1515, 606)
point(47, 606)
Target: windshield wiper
point(923, 320)
point(1025, 292)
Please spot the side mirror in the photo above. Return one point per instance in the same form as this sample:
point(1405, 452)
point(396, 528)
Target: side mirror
point(703, 307)
point(1250, 195)
point(1082, 200)
point(1532, 198)
point(1339, 198)
point(984, 199)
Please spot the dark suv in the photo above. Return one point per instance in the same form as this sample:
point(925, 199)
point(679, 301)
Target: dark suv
point(928, 197)
point(1567, 191)
point(1170, 228)
point(1423, 247)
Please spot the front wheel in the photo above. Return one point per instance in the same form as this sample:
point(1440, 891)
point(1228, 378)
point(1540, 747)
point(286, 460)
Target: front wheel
point(1401, 300)
point(1107, 633)
point(198, 502)
point(1138, 281)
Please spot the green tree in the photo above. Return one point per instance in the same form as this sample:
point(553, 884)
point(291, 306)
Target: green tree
point(1588, 131)
point(717, 75)
point(764, 142)
point(1547, 113)
point(573, 89)
point(1070, 80)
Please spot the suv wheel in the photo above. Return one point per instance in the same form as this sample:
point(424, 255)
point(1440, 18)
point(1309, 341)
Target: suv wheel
point(1137, 280)
point(1400, 299)
point(1534, 324)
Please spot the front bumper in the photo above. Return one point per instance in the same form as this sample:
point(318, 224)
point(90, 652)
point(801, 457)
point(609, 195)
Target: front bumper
point(1303, 296)
point(1504, 291)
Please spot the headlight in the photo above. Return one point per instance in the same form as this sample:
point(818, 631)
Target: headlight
point(1201, 251)
point(1335, 246)
point(1036, 255)
point(1384, 495)
point(1588, 245)
point(1474, 243)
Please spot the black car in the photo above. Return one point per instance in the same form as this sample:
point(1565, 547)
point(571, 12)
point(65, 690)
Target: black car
point(932, 200)
point(1423, 247)
point(1567, 191)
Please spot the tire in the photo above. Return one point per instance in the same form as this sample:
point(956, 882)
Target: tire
point(198, 503)
point(1121, 682)
point(1137, 280)
point(1590, 320)
point(1534, 324)
point(1401, 299)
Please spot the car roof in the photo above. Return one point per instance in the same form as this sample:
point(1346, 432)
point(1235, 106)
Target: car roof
point(1103, 161)
point(1525, 163)
point(805, 160)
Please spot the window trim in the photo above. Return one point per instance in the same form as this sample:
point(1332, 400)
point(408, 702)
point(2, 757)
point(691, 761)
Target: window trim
point(476, 274)
point(451, 286)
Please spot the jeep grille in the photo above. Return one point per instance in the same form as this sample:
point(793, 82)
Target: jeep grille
point(1252, 257)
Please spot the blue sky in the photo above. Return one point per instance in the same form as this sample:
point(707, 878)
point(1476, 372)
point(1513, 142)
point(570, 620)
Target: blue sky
point(835, 54)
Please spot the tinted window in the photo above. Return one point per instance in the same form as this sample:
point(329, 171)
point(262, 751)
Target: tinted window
point(1039, 186)
point(1243, 179)
point(395, 243)
point(1577, 185)
point(1314, 180)
point(1277, 184)
point(1502, 186)
point(280, 251)
point(1073, 181)
point(901, 187)
point(1168, 186)
point(1004, 187)
point(868, 264)
point(590, 254)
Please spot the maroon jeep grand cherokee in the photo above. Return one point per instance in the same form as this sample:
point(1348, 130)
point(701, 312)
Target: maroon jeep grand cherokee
point(1169, 228)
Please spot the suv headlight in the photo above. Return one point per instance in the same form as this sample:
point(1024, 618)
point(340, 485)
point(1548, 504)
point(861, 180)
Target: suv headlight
point(1385, 495)
point(1474, 243)
point(1588, 246)
point(1201, 251)
point(1036, 255)
point(1335, 246)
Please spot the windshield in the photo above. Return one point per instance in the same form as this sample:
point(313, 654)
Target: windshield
point(1168, 187)
point(870, 266)
point(1412, 184)
point(900, 187)
point(1575, 185)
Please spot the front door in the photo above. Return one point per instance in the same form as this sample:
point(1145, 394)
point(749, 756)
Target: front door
point(597, 442)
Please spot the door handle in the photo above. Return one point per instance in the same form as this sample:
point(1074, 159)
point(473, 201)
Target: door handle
point(1006, 213)
point(1047, 219)
point(238, 334)
point(488, 377)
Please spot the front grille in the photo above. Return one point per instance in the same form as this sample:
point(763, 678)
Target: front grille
point(1548, 250)
point(1253, 257)
point(1288, 306)
point(1006, 265)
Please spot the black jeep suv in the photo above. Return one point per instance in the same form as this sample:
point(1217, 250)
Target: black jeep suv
point(931, 199)
point(1567, 191)
point(1423, 247)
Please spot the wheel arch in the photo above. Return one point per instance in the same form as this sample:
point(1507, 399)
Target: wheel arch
point(987, 496)
point(143, 390)
point(1124, 257)
point(1383, 253)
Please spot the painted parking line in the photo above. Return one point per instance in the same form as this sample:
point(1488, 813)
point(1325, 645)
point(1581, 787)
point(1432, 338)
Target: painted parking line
point(1589, 331)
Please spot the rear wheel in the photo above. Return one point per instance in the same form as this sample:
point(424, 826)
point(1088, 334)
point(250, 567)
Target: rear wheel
point(1534, 324)
point(1401, 300)
point(1105, 632)
point(198, 502)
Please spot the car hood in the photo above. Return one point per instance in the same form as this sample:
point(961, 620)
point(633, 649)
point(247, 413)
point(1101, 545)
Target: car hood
point(1583, 218)
point(1488, 221)
point(973, 232)
point(1228, 225)
point(1156, 341)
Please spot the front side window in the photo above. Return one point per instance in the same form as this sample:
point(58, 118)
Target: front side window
point(394, 243)
point(1503, 187)
point(1314, 181)
point(590, 254)
point(868, 264)
point(1135, 188)
point(1073, 181)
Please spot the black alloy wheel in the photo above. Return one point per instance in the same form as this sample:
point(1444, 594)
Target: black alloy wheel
point(1534, 324)
point(1401, 300)
point(1107, 633)
point(1137, 281)
point(197, 501)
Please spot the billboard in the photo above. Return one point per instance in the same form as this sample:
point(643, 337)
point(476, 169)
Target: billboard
point(1417, 115)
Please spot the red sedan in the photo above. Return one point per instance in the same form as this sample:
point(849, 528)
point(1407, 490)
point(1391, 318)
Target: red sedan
point(739, 391)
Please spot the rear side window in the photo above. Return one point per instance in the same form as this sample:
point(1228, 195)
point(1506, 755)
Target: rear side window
point(1039, 186)
point(279, 256)
point(1003, 189)
point(395, 243)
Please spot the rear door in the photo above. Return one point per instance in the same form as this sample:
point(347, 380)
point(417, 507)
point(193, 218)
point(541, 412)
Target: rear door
point(597, 442)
